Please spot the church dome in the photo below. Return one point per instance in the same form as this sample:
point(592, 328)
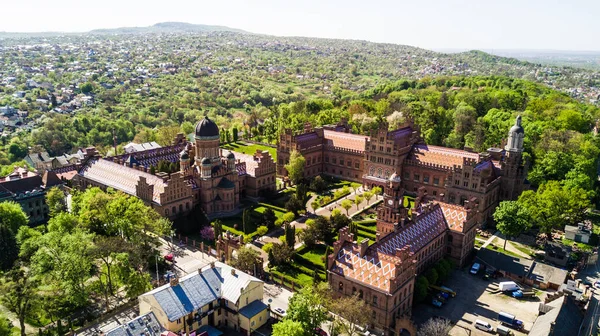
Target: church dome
point(517, 128)
point(184, 155)
point(205, 161)
point(207, 128)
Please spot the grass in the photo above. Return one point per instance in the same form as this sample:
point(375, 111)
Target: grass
point(523, 248)
point(501, 250)
point(581, 246)
point(250, 149)
point(478, 243)
point(256, 212)
point(315, 255)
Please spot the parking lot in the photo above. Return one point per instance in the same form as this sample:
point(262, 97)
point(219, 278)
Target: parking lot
point(478, 299)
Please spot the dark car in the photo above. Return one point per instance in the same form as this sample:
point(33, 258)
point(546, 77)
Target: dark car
point(319, 331)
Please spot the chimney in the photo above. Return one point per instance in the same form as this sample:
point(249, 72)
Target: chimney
point(364, 245)
point(174, 282)
point(233, 271)
point(212, 264)
point(199, 270)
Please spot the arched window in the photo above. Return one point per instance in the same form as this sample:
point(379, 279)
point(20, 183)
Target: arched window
point(360, 294)
point(180, 207)
point(341, 287)
point(166, 212)
point(379, 172)
point(387, 173)
point(174, 209)
point(374, 300)
point(372, 171)
point(187, 206)
point(353, 290)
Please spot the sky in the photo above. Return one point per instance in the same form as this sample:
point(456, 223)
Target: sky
point(431, 24)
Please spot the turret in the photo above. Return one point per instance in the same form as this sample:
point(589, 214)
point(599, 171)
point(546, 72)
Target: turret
point(516, 134)
point(205, 168)
point(231, 161)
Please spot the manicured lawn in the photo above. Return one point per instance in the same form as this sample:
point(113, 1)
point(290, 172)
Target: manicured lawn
point(315, 255)
point(250, 149)
point(234, 224)
point(581, 246)
point(501, 250)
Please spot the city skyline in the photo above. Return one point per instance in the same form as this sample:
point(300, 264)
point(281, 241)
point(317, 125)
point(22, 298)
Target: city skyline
point(455, 24)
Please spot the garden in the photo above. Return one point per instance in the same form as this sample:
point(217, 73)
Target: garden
point(250, 149)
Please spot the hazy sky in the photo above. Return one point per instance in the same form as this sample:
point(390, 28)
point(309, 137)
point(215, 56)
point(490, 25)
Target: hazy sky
point(473, 24)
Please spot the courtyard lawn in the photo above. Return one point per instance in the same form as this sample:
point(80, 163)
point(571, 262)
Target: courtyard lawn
point(234, 224)
point(315, 255)
point(250, 149)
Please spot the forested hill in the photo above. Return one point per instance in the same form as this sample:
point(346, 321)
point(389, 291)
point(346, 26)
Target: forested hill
point(167, 27)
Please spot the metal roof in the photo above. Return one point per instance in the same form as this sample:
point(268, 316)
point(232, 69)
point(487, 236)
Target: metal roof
point(253, 309)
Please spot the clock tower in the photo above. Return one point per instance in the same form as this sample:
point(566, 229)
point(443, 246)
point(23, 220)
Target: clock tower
point(392, 214)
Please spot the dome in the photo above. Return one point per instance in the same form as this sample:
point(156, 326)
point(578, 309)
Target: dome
point(205, 161)
point(230, 156)
point(395, 177)
point(517, 128)
point(207, 128)
point(184, 155)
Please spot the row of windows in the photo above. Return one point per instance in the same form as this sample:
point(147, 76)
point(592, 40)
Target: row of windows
point(342, 162)
point(417, 178)
point(174, 209)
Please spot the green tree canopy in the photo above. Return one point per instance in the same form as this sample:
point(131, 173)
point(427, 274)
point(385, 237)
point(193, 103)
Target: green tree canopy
point(295, 167)
point(12, 216)
point(512, 219)
point(307, 307)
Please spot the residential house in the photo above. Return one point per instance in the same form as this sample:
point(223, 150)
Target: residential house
point(134, 147)
point(557, 253)
point(580, 233)
point(217, 295)
point(559, 317)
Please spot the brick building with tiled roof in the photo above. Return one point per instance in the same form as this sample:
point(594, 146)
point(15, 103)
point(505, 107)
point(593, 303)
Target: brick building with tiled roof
point(447, 174)
point(209, 177)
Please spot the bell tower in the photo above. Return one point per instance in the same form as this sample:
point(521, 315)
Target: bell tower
point(392, 214)
point(513, 166)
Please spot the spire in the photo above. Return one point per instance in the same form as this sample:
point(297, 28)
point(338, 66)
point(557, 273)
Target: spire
point(515, 137)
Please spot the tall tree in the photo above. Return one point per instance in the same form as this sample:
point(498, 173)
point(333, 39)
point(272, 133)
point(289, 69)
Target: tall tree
point(218, 226)
point(307, 307)
point(354, 312)
point(55, 199)
point(246, 259)
point(295, 167)
point(367, 195)
point(20, 294)
point(512, 219)
point(9, 248)
point(288, 328)
point(269, 218)
point(12, 216)
point(357, 200)
point(346, 204)
point(290, 235)
point(435, 327)
point(234, 132)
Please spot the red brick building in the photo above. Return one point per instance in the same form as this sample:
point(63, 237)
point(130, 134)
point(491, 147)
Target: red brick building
point(450, 175)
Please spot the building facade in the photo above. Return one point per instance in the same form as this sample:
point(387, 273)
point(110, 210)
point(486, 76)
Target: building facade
point(450, 175)
point(216, 296)
point(208, 176)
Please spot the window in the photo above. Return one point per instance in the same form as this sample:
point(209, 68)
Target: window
point(356, 165)
point(353, 290)
point(374, 300)
point(252, 324)
point(387, 173)
point(334, 160)
point(373, 316)
point(360, 294)
point(417, 177)
point(456, 182)
point(466, 184)
point(389, 150)
point(381, 148)
point(474, 185)
point(341, 162)
point(406, 175)
point(379, 172)
point(434, 192)
point(436, 181)
point(466, 175)
point(425, 178)
point(326, 158)
point(373, 147)
point(450, 239)
point(341, 287)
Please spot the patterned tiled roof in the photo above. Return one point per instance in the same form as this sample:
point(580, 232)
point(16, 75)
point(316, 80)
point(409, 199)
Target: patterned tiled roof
point(251, 164)
point(427, 226)
point(120, 177)
point(151, 157)
point(455, 215)
point(440, 155)
point(374, 268)
point(345, 140)
point(377, 266)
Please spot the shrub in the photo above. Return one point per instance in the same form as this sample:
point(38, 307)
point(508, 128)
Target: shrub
point(262, 230)
point(267, 247)
point(207, 233)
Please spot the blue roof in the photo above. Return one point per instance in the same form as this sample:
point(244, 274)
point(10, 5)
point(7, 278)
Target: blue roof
point(253, 309)
point(212, 331)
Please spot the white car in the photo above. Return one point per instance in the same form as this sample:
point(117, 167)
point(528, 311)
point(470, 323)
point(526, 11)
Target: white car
point(597, 284)
point(482, 325)
point(280, 311)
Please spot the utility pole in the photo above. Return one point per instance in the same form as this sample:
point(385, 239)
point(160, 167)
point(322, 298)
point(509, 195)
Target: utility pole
point(157, 276)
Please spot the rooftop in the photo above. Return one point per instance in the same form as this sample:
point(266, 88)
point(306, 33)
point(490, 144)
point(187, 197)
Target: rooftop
point(146, 324)
point(442, 156)
point(345, 140)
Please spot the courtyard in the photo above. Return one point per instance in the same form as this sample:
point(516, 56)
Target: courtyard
point(477, 299)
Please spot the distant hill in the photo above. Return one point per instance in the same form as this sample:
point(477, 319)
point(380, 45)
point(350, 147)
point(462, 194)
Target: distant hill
point(167, 27)
point(162, 27)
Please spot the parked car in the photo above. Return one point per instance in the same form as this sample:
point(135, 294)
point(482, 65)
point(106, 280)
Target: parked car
point(445, 295)
point(280, 311)
point(502, 330)
point(475, 268)
point(482, 325)
point(320, 332)
point(169, 257)
point(436, 303)
point(597, 284)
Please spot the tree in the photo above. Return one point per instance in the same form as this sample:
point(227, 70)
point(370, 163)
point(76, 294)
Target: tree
point(357, 200)
point(165, 135)
point(314, 205)
point(5, 326)
point(432, 276)
point(262, 230)
point(269, 218)
point(346, 204)
point(207, 233)
point(353, 228)
point(9, 248)
point(55, 199)
point(511, 219)
point(234, 132)
point(282, 254)
point(307, 307)
point(376, 190)
point(218, 227)
point(309, 235)
point(86, 87)
point(421, 288)
point(107, 250)
point(355, 186)
point(318, 184)
point(288, 328)
point(19, 294)
point(12, 216)
point(288, 217)
point(368, 195)
point(354, 311)
point(295, 205)
point(290, 235)
point(246, 259)
point(295, 167)
point(435, 327)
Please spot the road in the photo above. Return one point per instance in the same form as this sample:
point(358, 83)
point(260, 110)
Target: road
point(591, 274)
